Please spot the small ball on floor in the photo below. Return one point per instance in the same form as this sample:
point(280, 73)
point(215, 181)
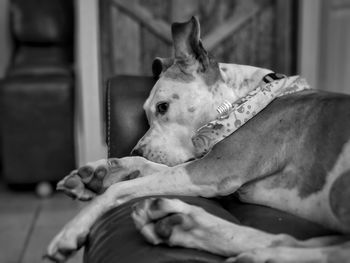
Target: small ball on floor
point(44, 189)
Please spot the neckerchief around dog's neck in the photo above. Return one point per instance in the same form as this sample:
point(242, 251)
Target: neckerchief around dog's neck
point(233, 115)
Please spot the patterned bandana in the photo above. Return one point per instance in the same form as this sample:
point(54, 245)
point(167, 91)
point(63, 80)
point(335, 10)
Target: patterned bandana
point(233, 115)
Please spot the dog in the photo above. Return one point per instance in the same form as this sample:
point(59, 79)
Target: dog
point(294, 156)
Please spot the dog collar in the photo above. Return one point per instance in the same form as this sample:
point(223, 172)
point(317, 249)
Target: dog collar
point(231, 116)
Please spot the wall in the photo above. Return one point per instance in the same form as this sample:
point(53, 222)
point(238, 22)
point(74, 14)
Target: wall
point(324, 50)
point(89, 123)
point(5, 43)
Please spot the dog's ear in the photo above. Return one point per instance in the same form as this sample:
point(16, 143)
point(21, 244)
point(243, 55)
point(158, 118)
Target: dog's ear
point(187, 43)
point(160, 65)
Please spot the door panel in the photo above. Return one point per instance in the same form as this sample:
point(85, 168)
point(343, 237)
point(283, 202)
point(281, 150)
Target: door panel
point(255, 32)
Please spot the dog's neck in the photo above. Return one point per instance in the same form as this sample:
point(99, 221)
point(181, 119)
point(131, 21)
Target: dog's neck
point(235, 83)
point(241, 79)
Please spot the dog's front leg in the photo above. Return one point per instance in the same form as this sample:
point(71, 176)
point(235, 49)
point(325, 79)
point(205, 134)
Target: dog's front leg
point(94, 178)
point(177, 180)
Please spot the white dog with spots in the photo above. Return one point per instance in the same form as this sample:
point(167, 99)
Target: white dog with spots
point(293, 156)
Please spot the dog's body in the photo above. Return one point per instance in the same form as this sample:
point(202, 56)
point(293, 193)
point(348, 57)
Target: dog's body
point(293, 156)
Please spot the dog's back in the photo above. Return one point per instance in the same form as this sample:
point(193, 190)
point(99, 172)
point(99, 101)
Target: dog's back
point(296, 148)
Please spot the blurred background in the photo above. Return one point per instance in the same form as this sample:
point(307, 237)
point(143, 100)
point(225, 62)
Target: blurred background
point(56, 57)
point(92, 40)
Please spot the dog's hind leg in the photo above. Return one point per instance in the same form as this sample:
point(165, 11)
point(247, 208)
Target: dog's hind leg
point(95, 177)
point(176, 223)
point(327, 254)
point(339, 197)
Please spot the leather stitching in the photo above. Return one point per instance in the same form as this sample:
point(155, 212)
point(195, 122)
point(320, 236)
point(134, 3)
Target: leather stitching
point(109, 118)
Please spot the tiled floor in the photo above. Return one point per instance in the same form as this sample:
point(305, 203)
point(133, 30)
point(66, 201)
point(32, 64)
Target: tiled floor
point(27, 224)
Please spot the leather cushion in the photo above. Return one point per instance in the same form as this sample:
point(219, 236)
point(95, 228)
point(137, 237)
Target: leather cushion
point(35, 61)
point(126, 120)
point(114, 238)
point(37, 131)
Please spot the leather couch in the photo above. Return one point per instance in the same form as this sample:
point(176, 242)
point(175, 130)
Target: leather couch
point(114, 238)
point(37, 93)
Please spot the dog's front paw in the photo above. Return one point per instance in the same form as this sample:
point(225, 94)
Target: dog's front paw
point(94, 178)
point(73, 185)
point(162, 220)
point(66, 243)
point(86, 182)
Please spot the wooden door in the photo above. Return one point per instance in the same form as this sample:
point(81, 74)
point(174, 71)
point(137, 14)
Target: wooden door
point(255, 32)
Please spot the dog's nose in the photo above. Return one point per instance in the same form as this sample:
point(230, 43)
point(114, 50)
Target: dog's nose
point(137, 152)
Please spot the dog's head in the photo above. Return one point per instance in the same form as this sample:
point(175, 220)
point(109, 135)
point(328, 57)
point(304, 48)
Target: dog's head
point(183, 99)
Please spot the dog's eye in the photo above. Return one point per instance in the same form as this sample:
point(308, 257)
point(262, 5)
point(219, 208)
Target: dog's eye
point(162, 107)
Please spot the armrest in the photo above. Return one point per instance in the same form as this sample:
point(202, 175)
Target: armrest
point(126, 120)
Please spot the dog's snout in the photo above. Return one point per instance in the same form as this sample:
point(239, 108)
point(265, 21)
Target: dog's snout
point(137, 152)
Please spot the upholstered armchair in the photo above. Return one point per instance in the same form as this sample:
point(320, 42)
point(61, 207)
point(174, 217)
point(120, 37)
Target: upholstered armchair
point(37, 93)
point(114, 237)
